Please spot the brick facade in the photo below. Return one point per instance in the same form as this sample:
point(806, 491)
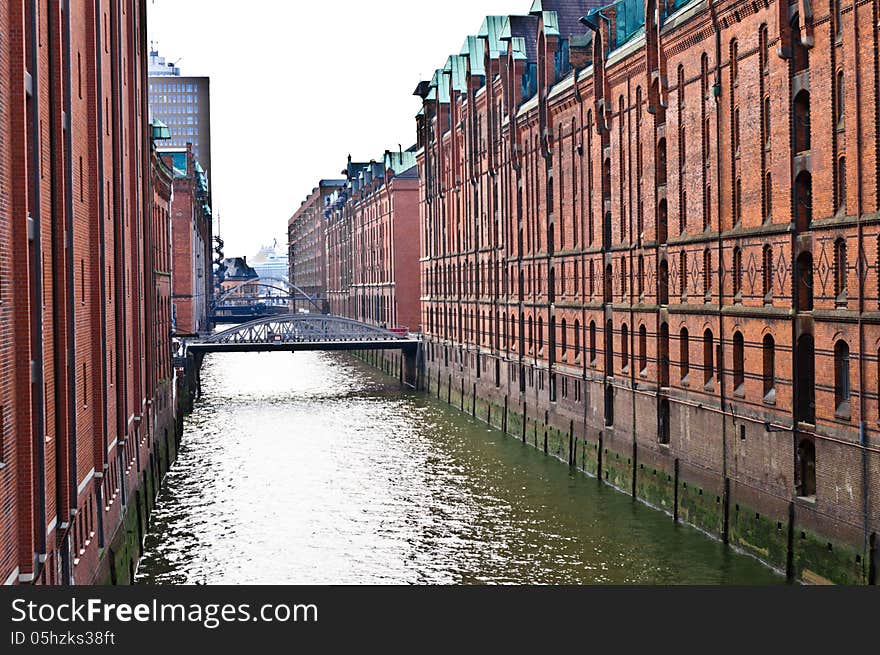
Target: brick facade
point(191, 232)
point(306, 249)
point(372, 243)
point(663, 242)
point(84, 387)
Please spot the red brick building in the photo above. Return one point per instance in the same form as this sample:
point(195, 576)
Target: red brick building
point(191, 232)
point(650, 247)
point(307, 253)
point(372, 243)
point(84, 391)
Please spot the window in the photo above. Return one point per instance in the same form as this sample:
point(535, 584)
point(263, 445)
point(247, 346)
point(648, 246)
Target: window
point(841, 185)
point(768, 197)
point(736, 131)
point(592, 342)
point(707, 274)
point(769, 355)
point(840, 270)
point(841, 379)
point(840, 99)
point(802, 122)
point(624, 347)
point(766, 122)
point(737, 273)
point(708, 358)
point(577, 338)
point(643, 350)
point(682, 283)
point(767, 268)
point(737, 201)
point(734, 63)
point(739, 377)
point(564, 338)
point(684, 355)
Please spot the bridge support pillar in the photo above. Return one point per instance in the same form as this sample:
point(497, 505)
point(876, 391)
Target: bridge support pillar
point(413, 367)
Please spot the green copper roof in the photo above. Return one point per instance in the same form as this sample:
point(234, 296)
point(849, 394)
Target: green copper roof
point(457, 66)
point(491, 29)
point(551, 23)
point(439, 87)
point(399, 162)
point(518, 48)
point(473, 50)
point(536, 8)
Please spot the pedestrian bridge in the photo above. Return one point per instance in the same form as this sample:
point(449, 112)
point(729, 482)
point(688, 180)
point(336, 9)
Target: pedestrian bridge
point(294, 332)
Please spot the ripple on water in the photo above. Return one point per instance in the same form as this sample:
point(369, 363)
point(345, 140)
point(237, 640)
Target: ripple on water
point(313, 469)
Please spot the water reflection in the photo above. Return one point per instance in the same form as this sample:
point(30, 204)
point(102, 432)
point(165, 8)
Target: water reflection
point(310, 468)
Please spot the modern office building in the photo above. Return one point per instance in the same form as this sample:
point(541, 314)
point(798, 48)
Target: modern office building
point(184, 105)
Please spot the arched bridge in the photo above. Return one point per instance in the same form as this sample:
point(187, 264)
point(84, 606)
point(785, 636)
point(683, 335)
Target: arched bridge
point(258, 297)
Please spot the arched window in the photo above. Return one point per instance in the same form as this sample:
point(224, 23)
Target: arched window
point(841, 185)
point(540, 333)
point(769, 356)
point(708, 358)
point(767, 269)
point(739, 376)
point(841, 379)
point(768, 196)
point(840, 97)
point(840, 270)
point(737, 273)
point(643, 349)
point(684, 354)
point(624, 347)
point(577, 338)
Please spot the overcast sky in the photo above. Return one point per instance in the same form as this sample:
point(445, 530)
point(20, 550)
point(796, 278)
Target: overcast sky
point(296, 86)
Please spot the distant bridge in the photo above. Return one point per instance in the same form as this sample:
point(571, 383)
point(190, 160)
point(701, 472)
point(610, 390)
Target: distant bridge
point(256, 298)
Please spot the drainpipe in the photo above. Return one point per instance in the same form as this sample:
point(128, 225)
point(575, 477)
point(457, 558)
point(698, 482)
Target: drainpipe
point(71, 300)
point(65, 430)
point(720, 349)
point(119, 244)
point(37, 298)
point(863, 435)
point(99, 95)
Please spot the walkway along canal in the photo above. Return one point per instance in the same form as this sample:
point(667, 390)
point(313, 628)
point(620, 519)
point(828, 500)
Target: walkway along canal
point(315, 468)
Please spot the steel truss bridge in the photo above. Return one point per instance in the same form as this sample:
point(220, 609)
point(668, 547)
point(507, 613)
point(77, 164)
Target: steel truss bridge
point(296, 332)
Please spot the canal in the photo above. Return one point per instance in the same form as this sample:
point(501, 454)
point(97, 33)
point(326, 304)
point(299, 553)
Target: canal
point(311, 468)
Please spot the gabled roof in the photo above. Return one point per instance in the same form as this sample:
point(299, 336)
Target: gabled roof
point(525, 27)
point(473, 50)
point(491, 31)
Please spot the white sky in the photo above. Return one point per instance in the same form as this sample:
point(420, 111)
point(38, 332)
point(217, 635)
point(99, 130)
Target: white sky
point(296, 86)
